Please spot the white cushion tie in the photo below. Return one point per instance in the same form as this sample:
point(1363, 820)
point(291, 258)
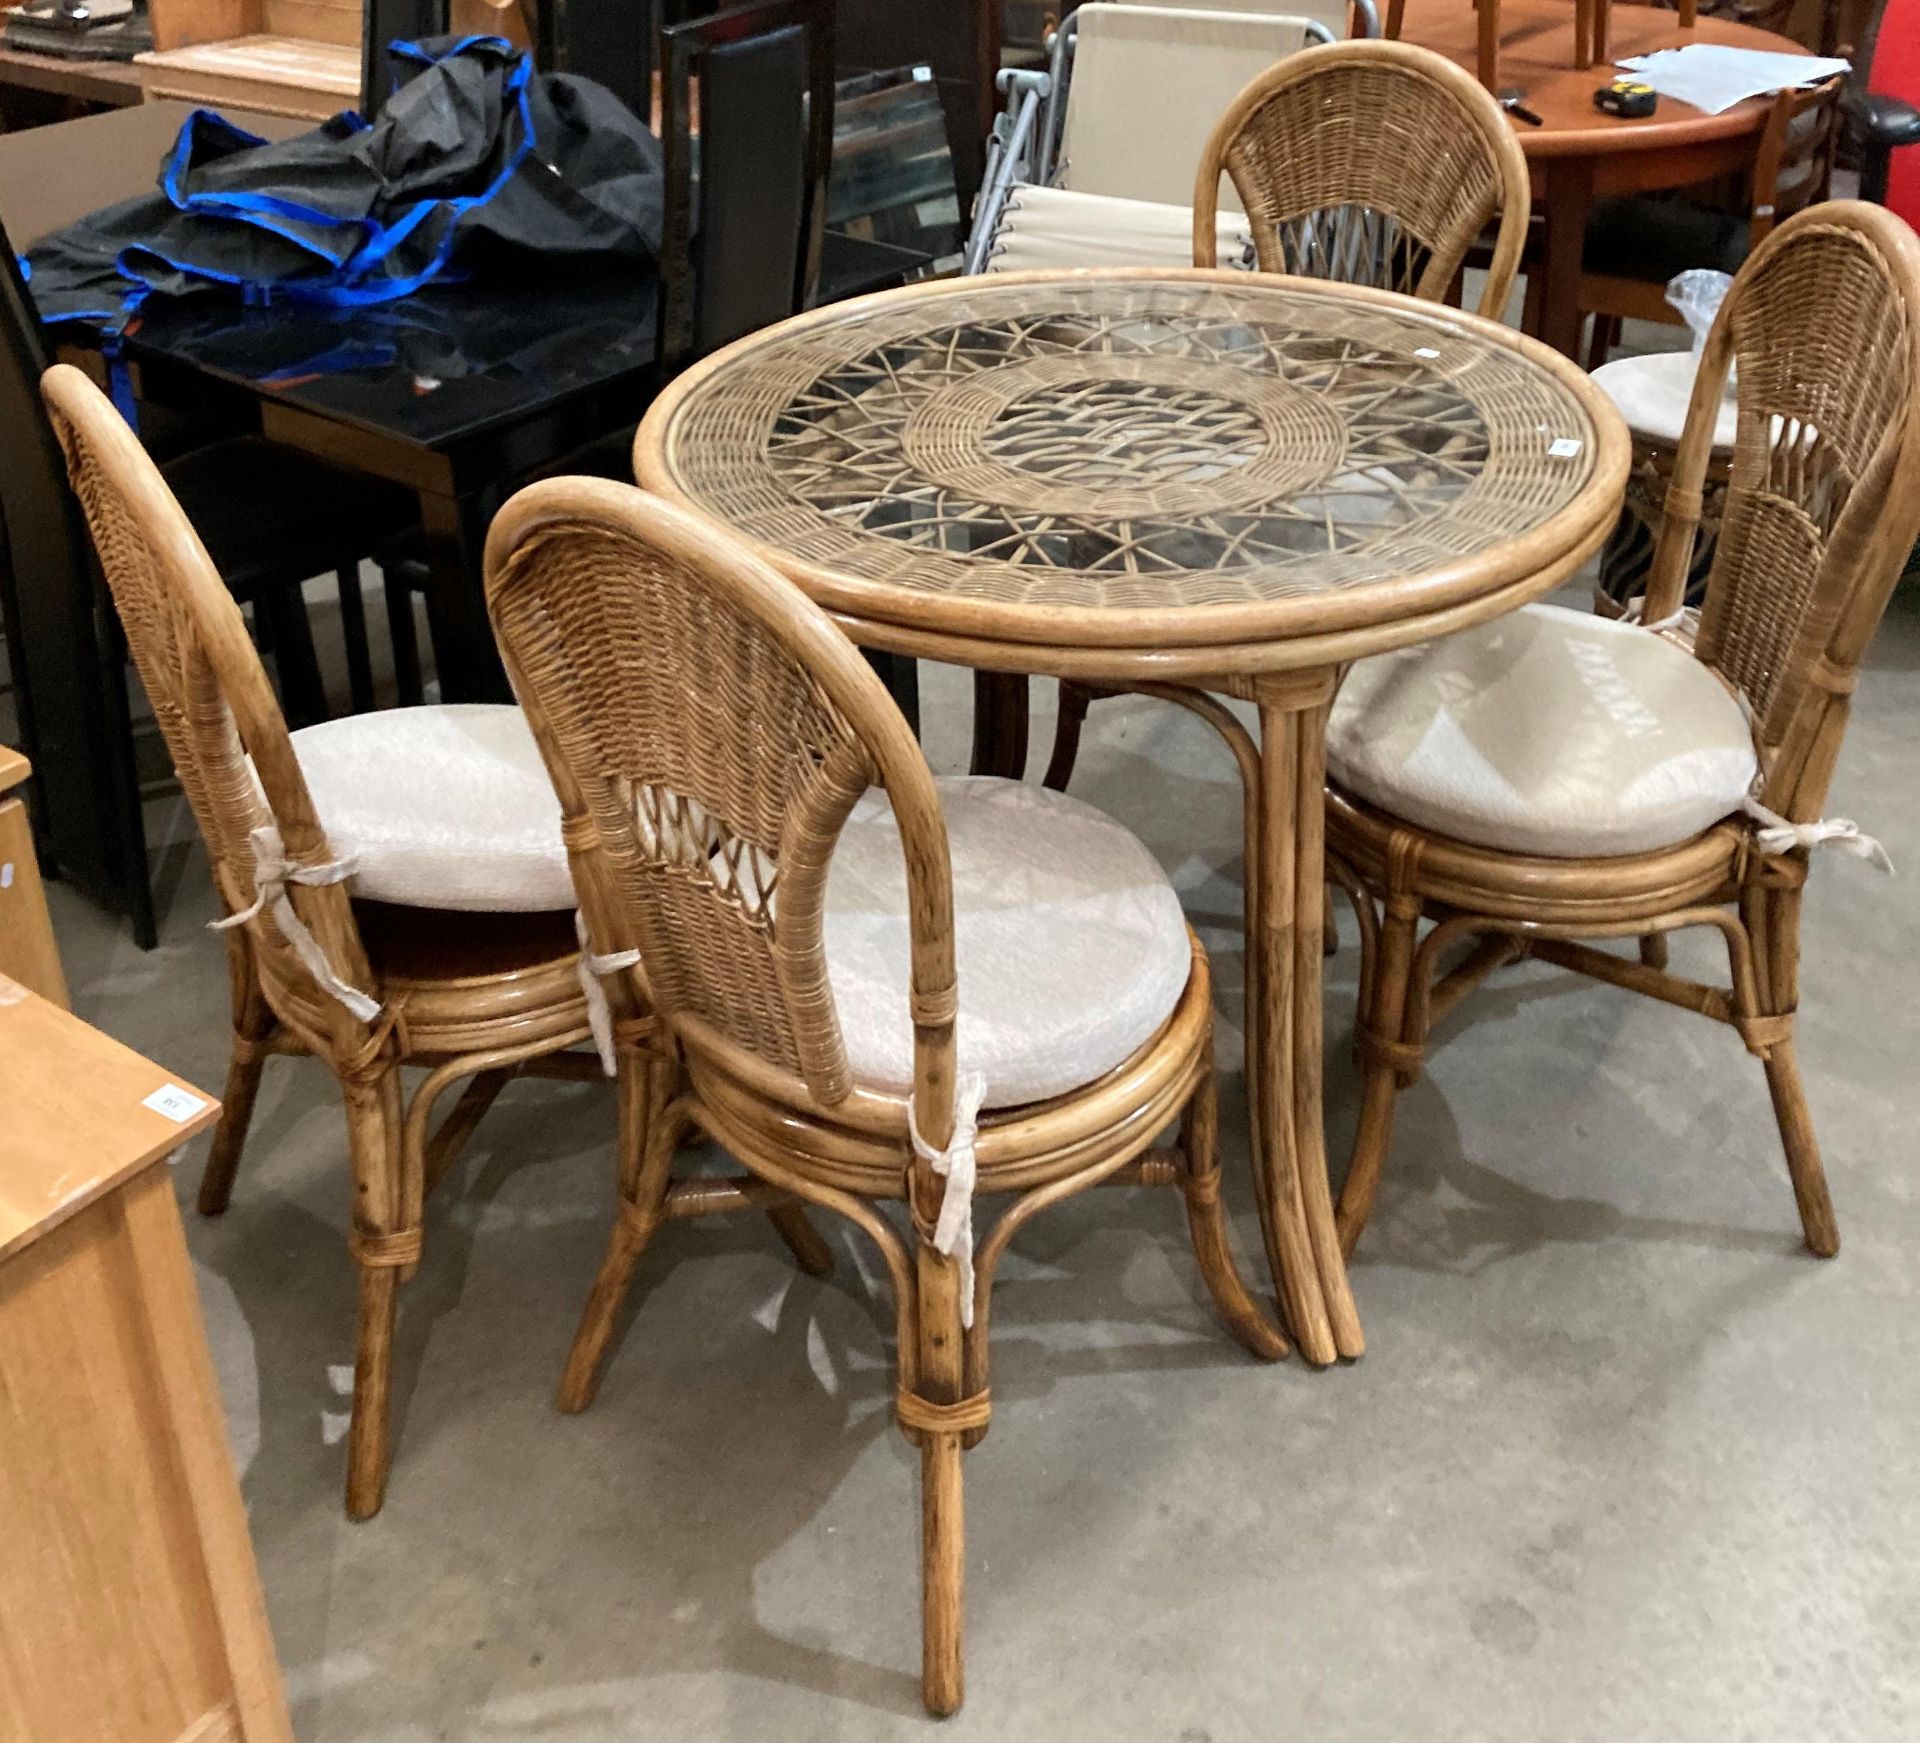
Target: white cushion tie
point(1636, 612)
point(957, 1165)
point(1777, 835)
point(272, 872)
point(591, 968)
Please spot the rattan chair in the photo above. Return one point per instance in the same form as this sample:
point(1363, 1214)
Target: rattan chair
point(845, 990)
point(1583, 780)
point(365, 985)
point(1374, 163)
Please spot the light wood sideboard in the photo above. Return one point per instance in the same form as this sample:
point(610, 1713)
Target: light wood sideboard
point(130, 1605)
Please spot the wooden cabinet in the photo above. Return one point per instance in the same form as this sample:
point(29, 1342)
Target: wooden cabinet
point(130, 1607)
point(280, 57)
point(27, 950)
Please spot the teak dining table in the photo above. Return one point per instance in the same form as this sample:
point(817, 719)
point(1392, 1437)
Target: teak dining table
point(1197, 485)
point(1578, 154)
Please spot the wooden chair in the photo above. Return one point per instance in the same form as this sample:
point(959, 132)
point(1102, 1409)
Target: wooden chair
point(1533, 834)
point(1375, 163)
point(1592, 30)
point(1636, 244)
point(352, 976)
point(823, 964)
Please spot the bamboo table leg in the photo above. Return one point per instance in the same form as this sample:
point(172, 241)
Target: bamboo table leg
point(1286, 907)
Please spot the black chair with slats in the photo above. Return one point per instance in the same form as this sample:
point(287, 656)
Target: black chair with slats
point(270, 518)
point(610, 41)
point(389, 21)
point(744, 226)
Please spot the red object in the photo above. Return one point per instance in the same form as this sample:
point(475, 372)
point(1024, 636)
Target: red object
point(1896, 71)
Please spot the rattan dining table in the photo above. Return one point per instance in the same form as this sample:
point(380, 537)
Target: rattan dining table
point(1195, 484)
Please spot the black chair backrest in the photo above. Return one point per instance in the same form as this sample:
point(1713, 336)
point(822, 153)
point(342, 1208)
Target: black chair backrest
point(69, 701)
point(742, 235)
point(610, 41)
point(388, 21)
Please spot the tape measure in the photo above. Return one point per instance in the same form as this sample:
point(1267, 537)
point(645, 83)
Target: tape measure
point(1627, 99)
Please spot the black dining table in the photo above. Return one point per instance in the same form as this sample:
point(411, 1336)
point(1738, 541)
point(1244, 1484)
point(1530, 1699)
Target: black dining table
point(458, 393)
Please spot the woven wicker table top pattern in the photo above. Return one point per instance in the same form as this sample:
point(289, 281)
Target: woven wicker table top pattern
point(1143, 443)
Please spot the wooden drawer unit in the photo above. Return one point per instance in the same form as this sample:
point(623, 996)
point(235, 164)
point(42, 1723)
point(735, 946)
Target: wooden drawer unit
point(130, 1607)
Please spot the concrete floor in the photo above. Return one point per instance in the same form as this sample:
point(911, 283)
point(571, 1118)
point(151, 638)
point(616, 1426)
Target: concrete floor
point(1622, 1462)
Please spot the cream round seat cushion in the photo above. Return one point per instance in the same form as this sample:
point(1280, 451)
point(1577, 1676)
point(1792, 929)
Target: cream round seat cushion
point(1548, 732)
point(1069, 942)
point(1652, 394)
point(445, 806)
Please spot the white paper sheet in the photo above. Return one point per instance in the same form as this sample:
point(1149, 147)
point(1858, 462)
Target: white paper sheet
point(1714, 79)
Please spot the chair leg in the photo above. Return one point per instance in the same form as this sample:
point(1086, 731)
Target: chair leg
point(1000, 725)
point(1075, 699)
point(1653, 949)
point(1200, 1186)
point(807, 1245)
point(382, 1243)
point(1381, 1039)
point(1396, 15)
point(353, 632)
point(943, 1531)
point(301, 691)
point(253, 1023)
point(1790, 1109)
point(1601, 341)
point(404, 637)
point(1773, 922)
point(643, 1199)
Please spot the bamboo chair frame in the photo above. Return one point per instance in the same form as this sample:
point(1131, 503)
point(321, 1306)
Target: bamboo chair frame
point(708, 729)
point(1386, 137)
point(1376, 163)
point(1823, 326)
point(477, 998)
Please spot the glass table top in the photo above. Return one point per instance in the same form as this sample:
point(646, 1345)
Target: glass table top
point(444, 363)
point(1133, 443)
point(456, 358)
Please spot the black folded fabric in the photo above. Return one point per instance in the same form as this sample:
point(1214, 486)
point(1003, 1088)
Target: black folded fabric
point(474, 152)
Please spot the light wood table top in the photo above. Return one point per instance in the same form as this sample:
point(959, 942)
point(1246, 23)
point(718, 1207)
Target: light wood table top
point(78, 1120)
